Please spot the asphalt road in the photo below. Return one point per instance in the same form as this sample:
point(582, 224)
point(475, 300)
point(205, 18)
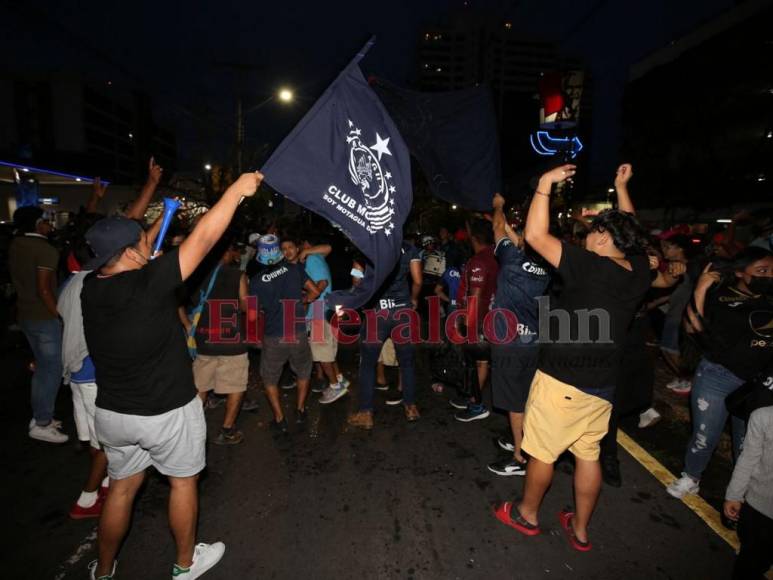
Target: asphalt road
point(403, 501)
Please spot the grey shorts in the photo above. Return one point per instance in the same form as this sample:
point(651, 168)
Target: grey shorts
point(275, 354)
point(173, 442)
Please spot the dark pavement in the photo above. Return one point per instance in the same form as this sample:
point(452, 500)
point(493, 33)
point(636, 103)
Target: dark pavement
point(404, 501)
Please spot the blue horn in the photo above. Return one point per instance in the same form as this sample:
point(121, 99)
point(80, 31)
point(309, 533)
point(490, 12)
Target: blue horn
point(170, 207)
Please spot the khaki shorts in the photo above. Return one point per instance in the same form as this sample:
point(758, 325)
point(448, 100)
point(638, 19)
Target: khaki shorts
point(560, 417)
point(223, 374)
point(388, 355)
point(323, 348)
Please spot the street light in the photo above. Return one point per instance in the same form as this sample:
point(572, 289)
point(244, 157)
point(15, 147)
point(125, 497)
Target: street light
point(285, 95)
point(207, 167)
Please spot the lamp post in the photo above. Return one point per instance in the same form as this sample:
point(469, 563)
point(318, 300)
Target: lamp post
point(283, 95)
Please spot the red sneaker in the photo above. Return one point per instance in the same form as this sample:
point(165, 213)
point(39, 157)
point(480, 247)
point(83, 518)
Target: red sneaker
point(81, 513)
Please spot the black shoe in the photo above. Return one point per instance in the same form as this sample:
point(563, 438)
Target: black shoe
point(300, 416)
point(382, 387)
point(279, 427)
point(506, 444)
point(459, 403)
point(229, 437)
point(472, 413)
point(318, 386)
point(610, 472)
point(508, 467)
point(394, 399)
point(250, 405)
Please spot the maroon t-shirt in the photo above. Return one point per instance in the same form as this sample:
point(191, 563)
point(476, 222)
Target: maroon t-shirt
point(480, 272)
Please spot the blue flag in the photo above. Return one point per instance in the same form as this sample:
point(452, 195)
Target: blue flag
point(453, 136)
point(347, 162)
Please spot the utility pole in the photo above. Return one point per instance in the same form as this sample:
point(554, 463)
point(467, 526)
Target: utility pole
point(241, 69)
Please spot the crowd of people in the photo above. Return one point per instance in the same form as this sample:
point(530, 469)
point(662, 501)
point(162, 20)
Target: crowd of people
point(549, 324)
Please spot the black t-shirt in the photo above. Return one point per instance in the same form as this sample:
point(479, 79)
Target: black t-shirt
point(739, 331)
point(520, 281)
point(396, 289)
point(219, 340)
point(136, 341)
point(595, 290)
point(282, 281)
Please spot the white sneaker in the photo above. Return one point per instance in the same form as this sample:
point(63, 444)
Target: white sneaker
point(55, 422)
point(93, 569)
point(648, 418)
point(343, 381)
point(50, 433)
point(683, 486)
point(205, 556)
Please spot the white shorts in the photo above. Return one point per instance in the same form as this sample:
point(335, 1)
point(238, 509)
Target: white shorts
point(173, 442)
point(84, 398)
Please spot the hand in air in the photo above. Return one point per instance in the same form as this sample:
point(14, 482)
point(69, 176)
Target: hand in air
point(154, 171)
point(560, 173)
point(623, 175)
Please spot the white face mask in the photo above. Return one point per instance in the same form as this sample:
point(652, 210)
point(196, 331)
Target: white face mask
point(357, 273)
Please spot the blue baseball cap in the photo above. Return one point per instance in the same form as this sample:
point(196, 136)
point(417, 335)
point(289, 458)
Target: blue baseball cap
point(109, 236)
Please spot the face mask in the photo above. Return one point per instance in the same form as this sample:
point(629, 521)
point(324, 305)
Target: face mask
point(760, 285)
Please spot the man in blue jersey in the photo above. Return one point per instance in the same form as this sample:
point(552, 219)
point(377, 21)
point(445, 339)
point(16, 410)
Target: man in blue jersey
point(522, 278)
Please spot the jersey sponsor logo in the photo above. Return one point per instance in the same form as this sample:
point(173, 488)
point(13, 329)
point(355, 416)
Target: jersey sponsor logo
point(531, 268)
point(275, 274)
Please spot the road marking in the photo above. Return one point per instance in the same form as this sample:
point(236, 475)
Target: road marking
point(696, 503)
point(85, 546)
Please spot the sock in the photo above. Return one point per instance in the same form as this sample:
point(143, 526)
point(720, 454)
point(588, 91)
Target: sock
point(105, 482)
point(88, 499)
point(340, 378)
point(337, 386)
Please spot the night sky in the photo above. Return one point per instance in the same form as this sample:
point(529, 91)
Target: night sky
point(172, 51)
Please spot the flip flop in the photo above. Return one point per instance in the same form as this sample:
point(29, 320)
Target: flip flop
point(503, 514)
point(565, 517)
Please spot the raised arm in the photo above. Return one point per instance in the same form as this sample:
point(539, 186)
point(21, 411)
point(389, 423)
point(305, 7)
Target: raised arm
point(498, 221)
point(537, 232)
point(320, 249)
point(97, 193)
point(623, 176)
point(140, 205)
point(213, 223)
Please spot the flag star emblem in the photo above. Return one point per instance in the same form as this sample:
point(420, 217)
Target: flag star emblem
point(380, 146)
point(392, 189)
point(350, 123)
point(388, 175)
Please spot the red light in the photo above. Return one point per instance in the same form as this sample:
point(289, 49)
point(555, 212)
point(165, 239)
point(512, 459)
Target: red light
point(696, 240)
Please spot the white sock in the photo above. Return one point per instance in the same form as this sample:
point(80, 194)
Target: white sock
point(340, 378)
point(88, 499)
point(105, 482)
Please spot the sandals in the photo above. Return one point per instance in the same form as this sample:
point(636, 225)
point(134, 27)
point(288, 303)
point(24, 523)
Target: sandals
point(565, 517)
point(504, 513)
